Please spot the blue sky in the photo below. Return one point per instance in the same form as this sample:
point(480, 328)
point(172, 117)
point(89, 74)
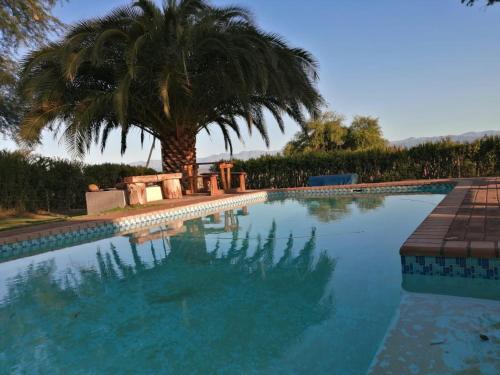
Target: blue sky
point(424, 67)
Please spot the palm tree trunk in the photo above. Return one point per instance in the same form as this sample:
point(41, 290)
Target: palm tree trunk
point(178, 151)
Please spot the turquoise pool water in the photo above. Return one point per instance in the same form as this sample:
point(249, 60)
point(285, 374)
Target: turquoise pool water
point(308, 286)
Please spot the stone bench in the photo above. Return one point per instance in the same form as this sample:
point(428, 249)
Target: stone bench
point(137, 185)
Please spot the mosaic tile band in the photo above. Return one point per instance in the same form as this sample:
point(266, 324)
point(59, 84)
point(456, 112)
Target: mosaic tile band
point(454, 267)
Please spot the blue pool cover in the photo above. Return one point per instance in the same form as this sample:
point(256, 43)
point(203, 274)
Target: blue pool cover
point(335, 179)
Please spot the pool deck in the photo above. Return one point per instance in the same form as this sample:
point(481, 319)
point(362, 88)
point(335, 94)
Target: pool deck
point(89, 221)
point(465, 224)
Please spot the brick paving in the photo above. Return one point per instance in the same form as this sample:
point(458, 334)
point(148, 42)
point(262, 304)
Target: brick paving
point(465, 224)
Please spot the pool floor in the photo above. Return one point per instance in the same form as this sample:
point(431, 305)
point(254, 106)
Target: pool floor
point(291, 286)
point(436, 334)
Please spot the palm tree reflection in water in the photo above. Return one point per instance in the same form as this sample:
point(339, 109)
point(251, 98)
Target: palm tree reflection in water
point(235, 308)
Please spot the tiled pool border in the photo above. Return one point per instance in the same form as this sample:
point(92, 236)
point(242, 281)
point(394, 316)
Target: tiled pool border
point(99, 230)
point(80, 233)
point(481, 268)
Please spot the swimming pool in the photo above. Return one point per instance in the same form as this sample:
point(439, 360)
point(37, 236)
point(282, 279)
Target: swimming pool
point(306, 285)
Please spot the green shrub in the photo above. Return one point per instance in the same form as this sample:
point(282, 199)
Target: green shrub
point(108, 174)
point(30, 182)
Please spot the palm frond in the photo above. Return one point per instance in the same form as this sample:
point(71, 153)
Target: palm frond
point(170, 71)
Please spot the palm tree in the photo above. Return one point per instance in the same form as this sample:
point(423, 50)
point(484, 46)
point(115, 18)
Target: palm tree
point(171, 72)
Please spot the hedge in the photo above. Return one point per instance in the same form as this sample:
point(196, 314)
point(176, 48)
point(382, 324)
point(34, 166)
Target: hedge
point(430, 160)
point(31, 183)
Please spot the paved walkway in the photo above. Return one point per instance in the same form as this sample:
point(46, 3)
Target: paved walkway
point(465, 224)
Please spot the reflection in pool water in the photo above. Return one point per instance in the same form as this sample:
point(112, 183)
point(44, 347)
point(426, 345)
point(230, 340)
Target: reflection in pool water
point(285, 287)
point(327, 209)
point(167, 313)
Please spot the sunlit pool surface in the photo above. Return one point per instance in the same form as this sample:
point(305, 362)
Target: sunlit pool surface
point(311, 286)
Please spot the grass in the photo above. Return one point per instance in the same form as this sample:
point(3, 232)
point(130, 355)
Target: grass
point(10, 219)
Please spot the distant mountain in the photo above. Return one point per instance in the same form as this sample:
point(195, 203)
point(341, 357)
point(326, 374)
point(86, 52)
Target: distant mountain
point(461, 138)
point(243, 155)
point(408, 142)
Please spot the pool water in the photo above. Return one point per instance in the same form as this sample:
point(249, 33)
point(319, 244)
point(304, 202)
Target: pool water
point(292, 286)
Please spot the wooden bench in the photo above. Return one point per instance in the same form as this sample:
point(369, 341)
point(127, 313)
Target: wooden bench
point(210, 179)
point(242, 177)
point(226, 174)
point(210, 184)
point(136, 186)
point(190, 176)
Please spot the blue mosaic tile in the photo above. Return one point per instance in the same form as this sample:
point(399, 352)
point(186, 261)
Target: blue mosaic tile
point(453, 267)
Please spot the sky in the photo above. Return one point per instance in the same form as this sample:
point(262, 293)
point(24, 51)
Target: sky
point(423, 67)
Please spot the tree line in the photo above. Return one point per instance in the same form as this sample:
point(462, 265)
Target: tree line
point(444, 159)
point(171, 71)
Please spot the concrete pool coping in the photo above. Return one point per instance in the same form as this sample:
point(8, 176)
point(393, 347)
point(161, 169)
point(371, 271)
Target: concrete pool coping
point(431, 238)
